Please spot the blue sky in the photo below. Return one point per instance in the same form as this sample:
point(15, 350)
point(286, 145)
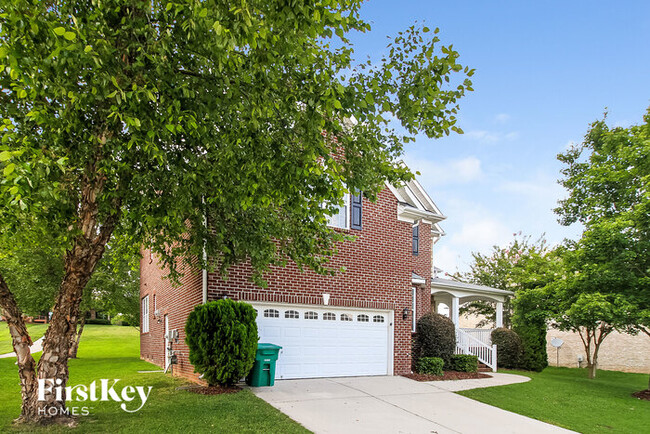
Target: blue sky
point(544, 72)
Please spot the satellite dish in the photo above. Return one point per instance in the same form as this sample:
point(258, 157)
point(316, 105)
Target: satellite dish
point(557, 342)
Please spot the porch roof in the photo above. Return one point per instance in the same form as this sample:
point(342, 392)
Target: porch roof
point(465, 290)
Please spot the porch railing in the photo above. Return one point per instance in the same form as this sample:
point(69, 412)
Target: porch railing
point(483, 335)
point(468, 344)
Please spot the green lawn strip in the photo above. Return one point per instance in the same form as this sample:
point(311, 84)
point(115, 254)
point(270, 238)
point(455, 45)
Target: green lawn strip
point(35, 331)
point(112, 352)
point(567, 398)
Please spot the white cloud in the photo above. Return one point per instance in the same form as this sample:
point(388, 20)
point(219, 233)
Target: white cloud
point(471, 228)
point(459, 171)
point(485, 136)
point(502, 118)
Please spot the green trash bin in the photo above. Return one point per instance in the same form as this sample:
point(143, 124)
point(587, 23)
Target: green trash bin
point(263, 372)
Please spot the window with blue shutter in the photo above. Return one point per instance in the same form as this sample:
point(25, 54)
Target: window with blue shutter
point(356, 204)
point(416, 240)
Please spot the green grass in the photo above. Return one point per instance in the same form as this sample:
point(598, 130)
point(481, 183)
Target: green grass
point(567, 398)
point(113, 352)
point(35, 331)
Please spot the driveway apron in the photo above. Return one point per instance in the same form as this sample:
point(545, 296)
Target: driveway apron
point(391, 404)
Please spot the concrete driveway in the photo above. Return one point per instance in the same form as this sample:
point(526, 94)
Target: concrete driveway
point(391, 405)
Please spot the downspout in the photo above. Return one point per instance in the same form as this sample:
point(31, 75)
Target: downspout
point(204, 271)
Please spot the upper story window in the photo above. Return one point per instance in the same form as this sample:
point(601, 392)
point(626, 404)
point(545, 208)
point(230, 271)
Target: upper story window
point(342, 218)
point(416, 240)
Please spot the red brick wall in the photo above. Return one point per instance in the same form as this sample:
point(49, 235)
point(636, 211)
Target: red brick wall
point(174, 300)
point(378, 275)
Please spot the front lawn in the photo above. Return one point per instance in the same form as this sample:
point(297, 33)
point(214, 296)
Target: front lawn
point(35, 331)
point(112, 352)
point(567, 398)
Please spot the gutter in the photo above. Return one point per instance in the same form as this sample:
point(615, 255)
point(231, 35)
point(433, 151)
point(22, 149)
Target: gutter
point(204, 271)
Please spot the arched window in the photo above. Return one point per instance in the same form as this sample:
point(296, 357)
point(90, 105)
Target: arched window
point(378, 318)
point(363, 318)
point(291, 314)
point(346, 317)
point(311, 315)
point(271, 313)
point(329, 316)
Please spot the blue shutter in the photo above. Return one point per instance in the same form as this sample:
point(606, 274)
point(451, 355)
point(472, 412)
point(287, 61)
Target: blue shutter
point(356, 203)
point(416, 240)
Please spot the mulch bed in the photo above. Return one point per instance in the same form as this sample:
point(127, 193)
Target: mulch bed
point(213, 390)
point(448, 375)
point(644, 394)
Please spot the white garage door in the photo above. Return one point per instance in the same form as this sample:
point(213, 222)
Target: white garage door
point(326, 342)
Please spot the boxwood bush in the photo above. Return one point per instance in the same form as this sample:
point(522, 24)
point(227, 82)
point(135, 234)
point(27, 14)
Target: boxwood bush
point(509, 348)
point(436, 337)
point(430, 365)
point(463, 363)
point(222, 338)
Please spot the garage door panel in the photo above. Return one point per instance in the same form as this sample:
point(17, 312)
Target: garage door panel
point(316, 347)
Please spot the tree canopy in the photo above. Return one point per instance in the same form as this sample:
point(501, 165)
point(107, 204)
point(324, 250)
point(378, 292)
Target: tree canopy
point(606, 282)
point(142, 120)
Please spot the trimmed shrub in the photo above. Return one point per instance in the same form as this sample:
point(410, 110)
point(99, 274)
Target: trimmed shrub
point(430, 365)
point(463, 363)
point(436, 337)
point(222, 338)
point(533, 339)
point(98, 321)
point(509, 348)
point(119, 320)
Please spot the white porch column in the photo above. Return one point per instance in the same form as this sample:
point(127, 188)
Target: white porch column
point(454, 311)
point(499, 319)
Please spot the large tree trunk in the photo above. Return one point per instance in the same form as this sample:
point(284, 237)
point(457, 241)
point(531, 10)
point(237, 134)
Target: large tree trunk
point(79, 265)
point(74, 341)
point(21, 342)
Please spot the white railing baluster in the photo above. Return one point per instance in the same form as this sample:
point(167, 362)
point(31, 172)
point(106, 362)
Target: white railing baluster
point(466, 343)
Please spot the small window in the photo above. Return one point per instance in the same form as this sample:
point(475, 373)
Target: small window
point(329, 316)
point(341, 219)
point(416, 240)
point(145, 314)
point(271, 313)
point(311, 315)
point(291, 314)
point(378, 318)
point(363, 318)
point(346, 317)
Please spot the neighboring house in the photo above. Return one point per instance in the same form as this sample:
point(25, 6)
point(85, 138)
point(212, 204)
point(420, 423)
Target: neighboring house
point(618, 352)
point(359, 322)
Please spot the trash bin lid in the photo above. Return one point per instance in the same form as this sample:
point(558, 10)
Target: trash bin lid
point(263, 346)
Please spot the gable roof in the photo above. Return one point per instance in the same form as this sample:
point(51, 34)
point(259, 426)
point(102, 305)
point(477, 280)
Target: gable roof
point(415, 204)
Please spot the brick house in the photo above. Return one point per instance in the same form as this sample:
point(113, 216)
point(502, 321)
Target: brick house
point(359, 322)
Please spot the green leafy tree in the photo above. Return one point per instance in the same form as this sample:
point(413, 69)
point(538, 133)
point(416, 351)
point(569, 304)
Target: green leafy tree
point(35, 271)
point(524, 267)
point(139, 119)
point(608, 270)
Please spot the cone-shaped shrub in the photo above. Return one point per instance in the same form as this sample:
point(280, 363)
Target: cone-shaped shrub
point(222, 338)
point(509, 348)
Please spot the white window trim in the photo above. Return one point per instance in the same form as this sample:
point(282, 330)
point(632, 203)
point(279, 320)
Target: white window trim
point(145, 314)
point(414, 302)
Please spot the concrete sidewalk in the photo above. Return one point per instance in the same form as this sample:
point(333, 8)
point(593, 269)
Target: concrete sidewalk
point(391, 405)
